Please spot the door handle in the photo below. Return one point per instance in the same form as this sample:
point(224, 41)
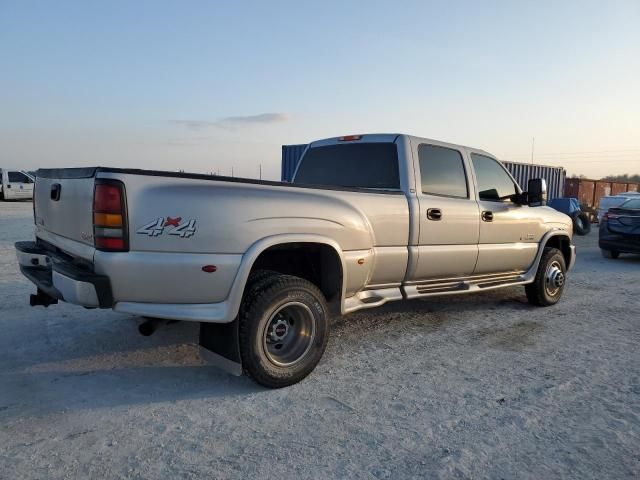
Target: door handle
point(434, 214)
point(55, 191)
point(487, 216)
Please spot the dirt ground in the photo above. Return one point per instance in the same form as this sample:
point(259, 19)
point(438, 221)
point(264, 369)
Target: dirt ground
point(481, 386)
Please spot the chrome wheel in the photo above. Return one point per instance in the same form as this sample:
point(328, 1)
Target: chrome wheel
point(289, 334)
point(554, 278)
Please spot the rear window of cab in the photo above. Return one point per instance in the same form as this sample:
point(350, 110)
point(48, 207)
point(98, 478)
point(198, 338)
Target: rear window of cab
point(353, 165)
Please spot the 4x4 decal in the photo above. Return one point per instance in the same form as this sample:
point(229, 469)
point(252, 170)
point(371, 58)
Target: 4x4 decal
point(172, 226)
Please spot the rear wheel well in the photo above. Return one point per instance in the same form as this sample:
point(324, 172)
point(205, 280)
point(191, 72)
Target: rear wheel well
point(316, 262)
point(562, 243)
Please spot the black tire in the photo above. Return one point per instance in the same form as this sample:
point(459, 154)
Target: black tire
point(550, 279)
point(270, 303)
point(610, 253)
point(259, 275)
point(581, 223)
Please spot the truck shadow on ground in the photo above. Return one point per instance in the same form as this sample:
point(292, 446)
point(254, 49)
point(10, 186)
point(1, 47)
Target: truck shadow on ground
point(111, 368)
point(35, 394)
point(108, 366)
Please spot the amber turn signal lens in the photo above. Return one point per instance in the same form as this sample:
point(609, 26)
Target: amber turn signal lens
point(107, 219)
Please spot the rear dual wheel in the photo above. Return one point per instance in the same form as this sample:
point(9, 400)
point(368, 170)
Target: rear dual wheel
point(283, 328)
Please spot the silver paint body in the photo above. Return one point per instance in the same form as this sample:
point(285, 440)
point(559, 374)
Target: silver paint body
point(387, 247)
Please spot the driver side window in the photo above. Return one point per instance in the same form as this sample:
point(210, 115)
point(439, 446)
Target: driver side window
point(494, 184)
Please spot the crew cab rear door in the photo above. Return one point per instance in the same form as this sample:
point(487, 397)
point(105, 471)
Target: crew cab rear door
point(449, 218)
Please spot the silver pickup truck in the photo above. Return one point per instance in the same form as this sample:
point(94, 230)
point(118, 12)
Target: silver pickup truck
point(263, 265)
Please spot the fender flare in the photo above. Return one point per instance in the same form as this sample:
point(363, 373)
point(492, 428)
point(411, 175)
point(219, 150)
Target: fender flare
point(531, 273)
point(253, 252)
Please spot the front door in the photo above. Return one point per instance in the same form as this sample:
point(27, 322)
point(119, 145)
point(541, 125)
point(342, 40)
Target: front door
point(449, 218)
point(509, 233)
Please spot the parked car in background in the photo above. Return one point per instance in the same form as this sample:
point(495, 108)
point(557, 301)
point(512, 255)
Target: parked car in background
point(16, 185)
point(611, 201)
point(620, 229)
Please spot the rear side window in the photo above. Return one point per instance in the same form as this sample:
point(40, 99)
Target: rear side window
point(17, 177)
point(494, 183)
point(360, 165)
point(442, 171)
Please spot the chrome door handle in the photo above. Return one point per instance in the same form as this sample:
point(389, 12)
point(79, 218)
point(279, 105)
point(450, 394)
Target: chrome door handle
point(487, 216)
point(434, 214)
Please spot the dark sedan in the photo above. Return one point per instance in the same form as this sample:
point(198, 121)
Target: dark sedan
point(620, 229)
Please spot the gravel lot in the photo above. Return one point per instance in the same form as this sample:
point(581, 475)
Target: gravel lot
point(480, 386)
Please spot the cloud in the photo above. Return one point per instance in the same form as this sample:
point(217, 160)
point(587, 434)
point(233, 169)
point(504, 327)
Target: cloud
point(234, 122)
point(194, 124)
point(254, 119)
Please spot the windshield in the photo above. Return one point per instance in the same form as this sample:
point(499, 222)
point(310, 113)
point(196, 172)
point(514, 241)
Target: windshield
point(361, 165)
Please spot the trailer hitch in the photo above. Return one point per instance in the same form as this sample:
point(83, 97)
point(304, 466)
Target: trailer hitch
point(42, 298)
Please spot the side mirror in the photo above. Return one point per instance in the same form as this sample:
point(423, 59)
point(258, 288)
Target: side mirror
point(537, 192)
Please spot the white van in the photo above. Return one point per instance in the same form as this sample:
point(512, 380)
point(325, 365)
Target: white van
point(16, 185)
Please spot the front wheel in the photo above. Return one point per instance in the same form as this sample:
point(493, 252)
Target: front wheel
point(283, 330)
point(550, 279)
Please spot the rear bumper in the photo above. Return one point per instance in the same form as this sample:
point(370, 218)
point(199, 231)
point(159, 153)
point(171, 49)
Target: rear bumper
point(61, 279)
point(620, 245)
point(617, 242)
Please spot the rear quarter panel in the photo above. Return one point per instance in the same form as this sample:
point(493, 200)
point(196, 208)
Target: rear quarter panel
point(229, 217)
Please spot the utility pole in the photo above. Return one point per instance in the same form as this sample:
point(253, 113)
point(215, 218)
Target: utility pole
point(231, 172)
point(260, 171)
point(533, 144)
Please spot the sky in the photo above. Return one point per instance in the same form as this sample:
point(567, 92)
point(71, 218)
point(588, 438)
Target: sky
point(208, 86)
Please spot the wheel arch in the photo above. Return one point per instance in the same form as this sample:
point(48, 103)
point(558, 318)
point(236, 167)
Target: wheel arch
point(268, 253)
point(562, 242)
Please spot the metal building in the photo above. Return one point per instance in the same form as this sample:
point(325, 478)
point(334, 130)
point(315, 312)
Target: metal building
point(554, 176)
point(291, 155)
point(522, 172)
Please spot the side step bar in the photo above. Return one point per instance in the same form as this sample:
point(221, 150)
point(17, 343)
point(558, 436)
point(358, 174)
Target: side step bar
point(460, 285)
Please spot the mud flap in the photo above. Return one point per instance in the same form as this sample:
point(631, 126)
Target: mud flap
point(219, 345)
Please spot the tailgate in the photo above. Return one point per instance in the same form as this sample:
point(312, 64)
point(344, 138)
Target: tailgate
point(63, 203)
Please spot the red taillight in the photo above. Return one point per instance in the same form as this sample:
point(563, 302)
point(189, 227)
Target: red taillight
point(609, 215)
point(105, 243)
point(107, 199)
point(109, 216)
